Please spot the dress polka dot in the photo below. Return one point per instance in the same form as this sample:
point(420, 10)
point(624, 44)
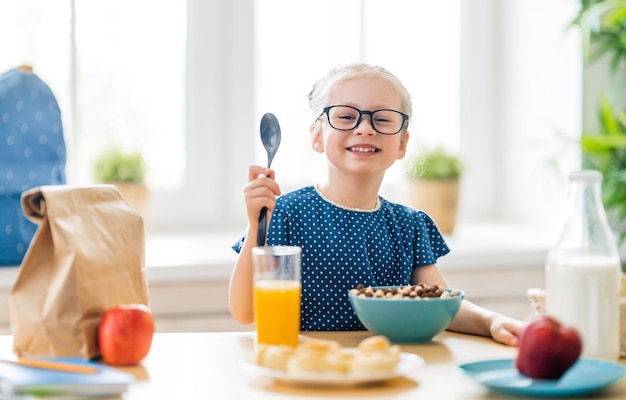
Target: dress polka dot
point(342, 248)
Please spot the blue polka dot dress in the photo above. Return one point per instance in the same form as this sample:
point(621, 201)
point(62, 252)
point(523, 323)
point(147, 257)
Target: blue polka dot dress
point(342, 248)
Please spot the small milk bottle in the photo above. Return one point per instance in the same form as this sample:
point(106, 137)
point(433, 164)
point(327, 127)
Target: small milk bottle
point(583, 270)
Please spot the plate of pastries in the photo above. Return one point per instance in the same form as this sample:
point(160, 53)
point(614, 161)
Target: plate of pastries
point(319, 362)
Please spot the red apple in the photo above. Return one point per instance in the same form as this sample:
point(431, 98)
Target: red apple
point(547, 349)
point(125, 334)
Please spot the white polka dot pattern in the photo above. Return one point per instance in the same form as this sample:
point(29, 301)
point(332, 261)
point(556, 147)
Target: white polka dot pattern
point(343, 248)
point(32, 153)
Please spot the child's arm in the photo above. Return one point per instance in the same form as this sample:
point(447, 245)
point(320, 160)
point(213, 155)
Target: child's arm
point(259, 192)
point(240, 288)
point(471, 318)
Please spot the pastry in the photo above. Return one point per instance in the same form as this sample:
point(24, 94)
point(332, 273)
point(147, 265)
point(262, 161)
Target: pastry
point(340, 361)
point(273, 356)
point(303, 363)
point(314, 356)
point(375, 361)
point(320, 346)
point(373, 343)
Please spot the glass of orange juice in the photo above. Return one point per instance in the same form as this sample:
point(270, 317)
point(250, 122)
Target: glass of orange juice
point(277, 294)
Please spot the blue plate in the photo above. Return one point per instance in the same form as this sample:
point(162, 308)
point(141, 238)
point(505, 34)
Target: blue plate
point(585, 376)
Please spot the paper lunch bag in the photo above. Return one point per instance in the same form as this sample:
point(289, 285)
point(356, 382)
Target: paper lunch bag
point(87, 255)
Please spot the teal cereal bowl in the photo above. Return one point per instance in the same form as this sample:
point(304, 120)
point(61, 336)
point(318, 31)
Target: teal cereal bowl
point(407, 320)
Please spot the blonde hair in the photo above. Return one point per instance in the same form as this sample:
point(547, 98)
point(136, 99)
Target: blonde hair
point(318, 96)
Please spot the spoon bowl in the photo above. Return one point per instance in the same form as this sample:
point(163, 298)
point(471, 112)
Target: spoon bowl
point(270, 136)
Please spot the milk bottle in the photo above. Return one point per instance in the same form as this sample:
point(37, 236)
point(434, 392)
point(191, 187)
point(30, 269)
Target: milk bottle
point(583, 270)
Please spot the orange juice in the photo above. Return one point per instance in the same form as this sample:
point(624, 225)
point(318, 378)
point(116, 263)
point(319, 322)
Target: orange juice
point(277, 311)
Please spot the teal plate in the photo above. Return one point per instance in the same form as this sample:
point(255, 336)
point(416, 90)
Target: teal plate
point(584, 377)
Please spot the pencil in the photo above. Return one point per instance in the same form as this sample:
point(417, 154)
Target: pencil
point(55, 365)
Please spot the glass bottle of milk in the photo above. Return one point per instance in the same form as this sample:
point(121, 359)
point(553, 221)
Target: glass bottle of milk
point(583, 270)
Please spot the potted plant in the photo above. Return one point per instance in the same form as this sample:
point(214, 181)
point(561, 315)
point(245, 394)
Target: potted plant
point(434, 184)
point(125, 170)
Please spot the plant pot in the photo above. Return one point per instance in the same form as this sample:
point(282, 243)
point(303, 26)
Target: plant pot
point(438, 198)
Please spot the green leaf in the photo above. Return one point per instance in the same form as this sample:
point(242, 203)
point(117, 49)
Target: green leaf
point(609, 122)
point(621, 118)
point(594, 143)
point(614, 15)
point(602, 23)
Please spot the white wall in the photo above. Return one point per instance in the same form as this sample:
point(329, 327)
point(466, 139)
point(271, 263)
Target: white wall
point(522, 90)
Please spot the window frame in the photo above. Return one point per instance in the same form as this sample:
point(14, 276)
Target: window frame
point(219, 118)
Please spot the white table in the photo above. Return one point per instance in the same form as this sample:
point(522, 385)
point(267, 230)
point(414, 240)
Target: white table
point(206, 366)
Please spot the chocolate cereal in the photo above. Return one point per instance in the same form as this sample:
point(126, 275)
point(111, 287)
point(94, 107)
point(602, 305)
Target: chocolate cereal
point(419, 291)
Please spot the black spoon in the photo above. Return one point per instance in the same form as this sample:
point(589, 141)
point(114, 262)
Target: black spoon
point(270, 136)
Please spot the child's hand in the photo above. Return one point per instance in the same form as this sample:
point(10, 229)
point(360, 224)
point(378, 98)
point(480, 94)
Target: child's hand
point(506, 330)
point(261, 191)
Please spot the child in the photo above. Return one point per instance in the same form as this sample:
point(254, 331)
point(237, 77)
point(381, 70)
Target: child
point(348, 234)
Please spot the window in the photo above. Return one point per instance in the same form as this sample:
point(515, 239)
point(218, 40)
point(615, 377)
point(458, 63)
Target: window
point(129, 84)
point(397, 34)
point(188, 82)
point(116, 84)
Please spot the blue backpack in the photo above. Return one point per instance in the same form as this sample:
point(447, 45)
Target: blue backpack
point(32, 153)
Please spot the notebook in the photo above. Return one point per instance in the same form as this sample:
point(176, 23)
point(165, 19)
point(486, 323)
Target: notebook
point(20, 379)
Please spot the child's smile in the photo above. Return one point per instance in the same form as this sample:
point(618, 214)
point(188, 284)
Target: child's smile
point(363, 149)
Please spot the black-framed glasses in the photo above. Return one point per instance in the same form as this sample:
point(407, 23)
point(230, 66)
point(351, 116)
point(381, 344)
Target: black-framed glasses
point(346, 118)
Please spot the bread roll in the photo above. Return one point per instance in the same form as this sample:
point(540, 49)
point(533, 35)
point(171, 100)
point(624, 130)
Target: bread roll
point(317, 355)
point(314, 356)
point(273, 356)
point(340, 361)
point(308, 363)
point(375, 361)
point(319, 346)
point(374, 355)
point(374, 343)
